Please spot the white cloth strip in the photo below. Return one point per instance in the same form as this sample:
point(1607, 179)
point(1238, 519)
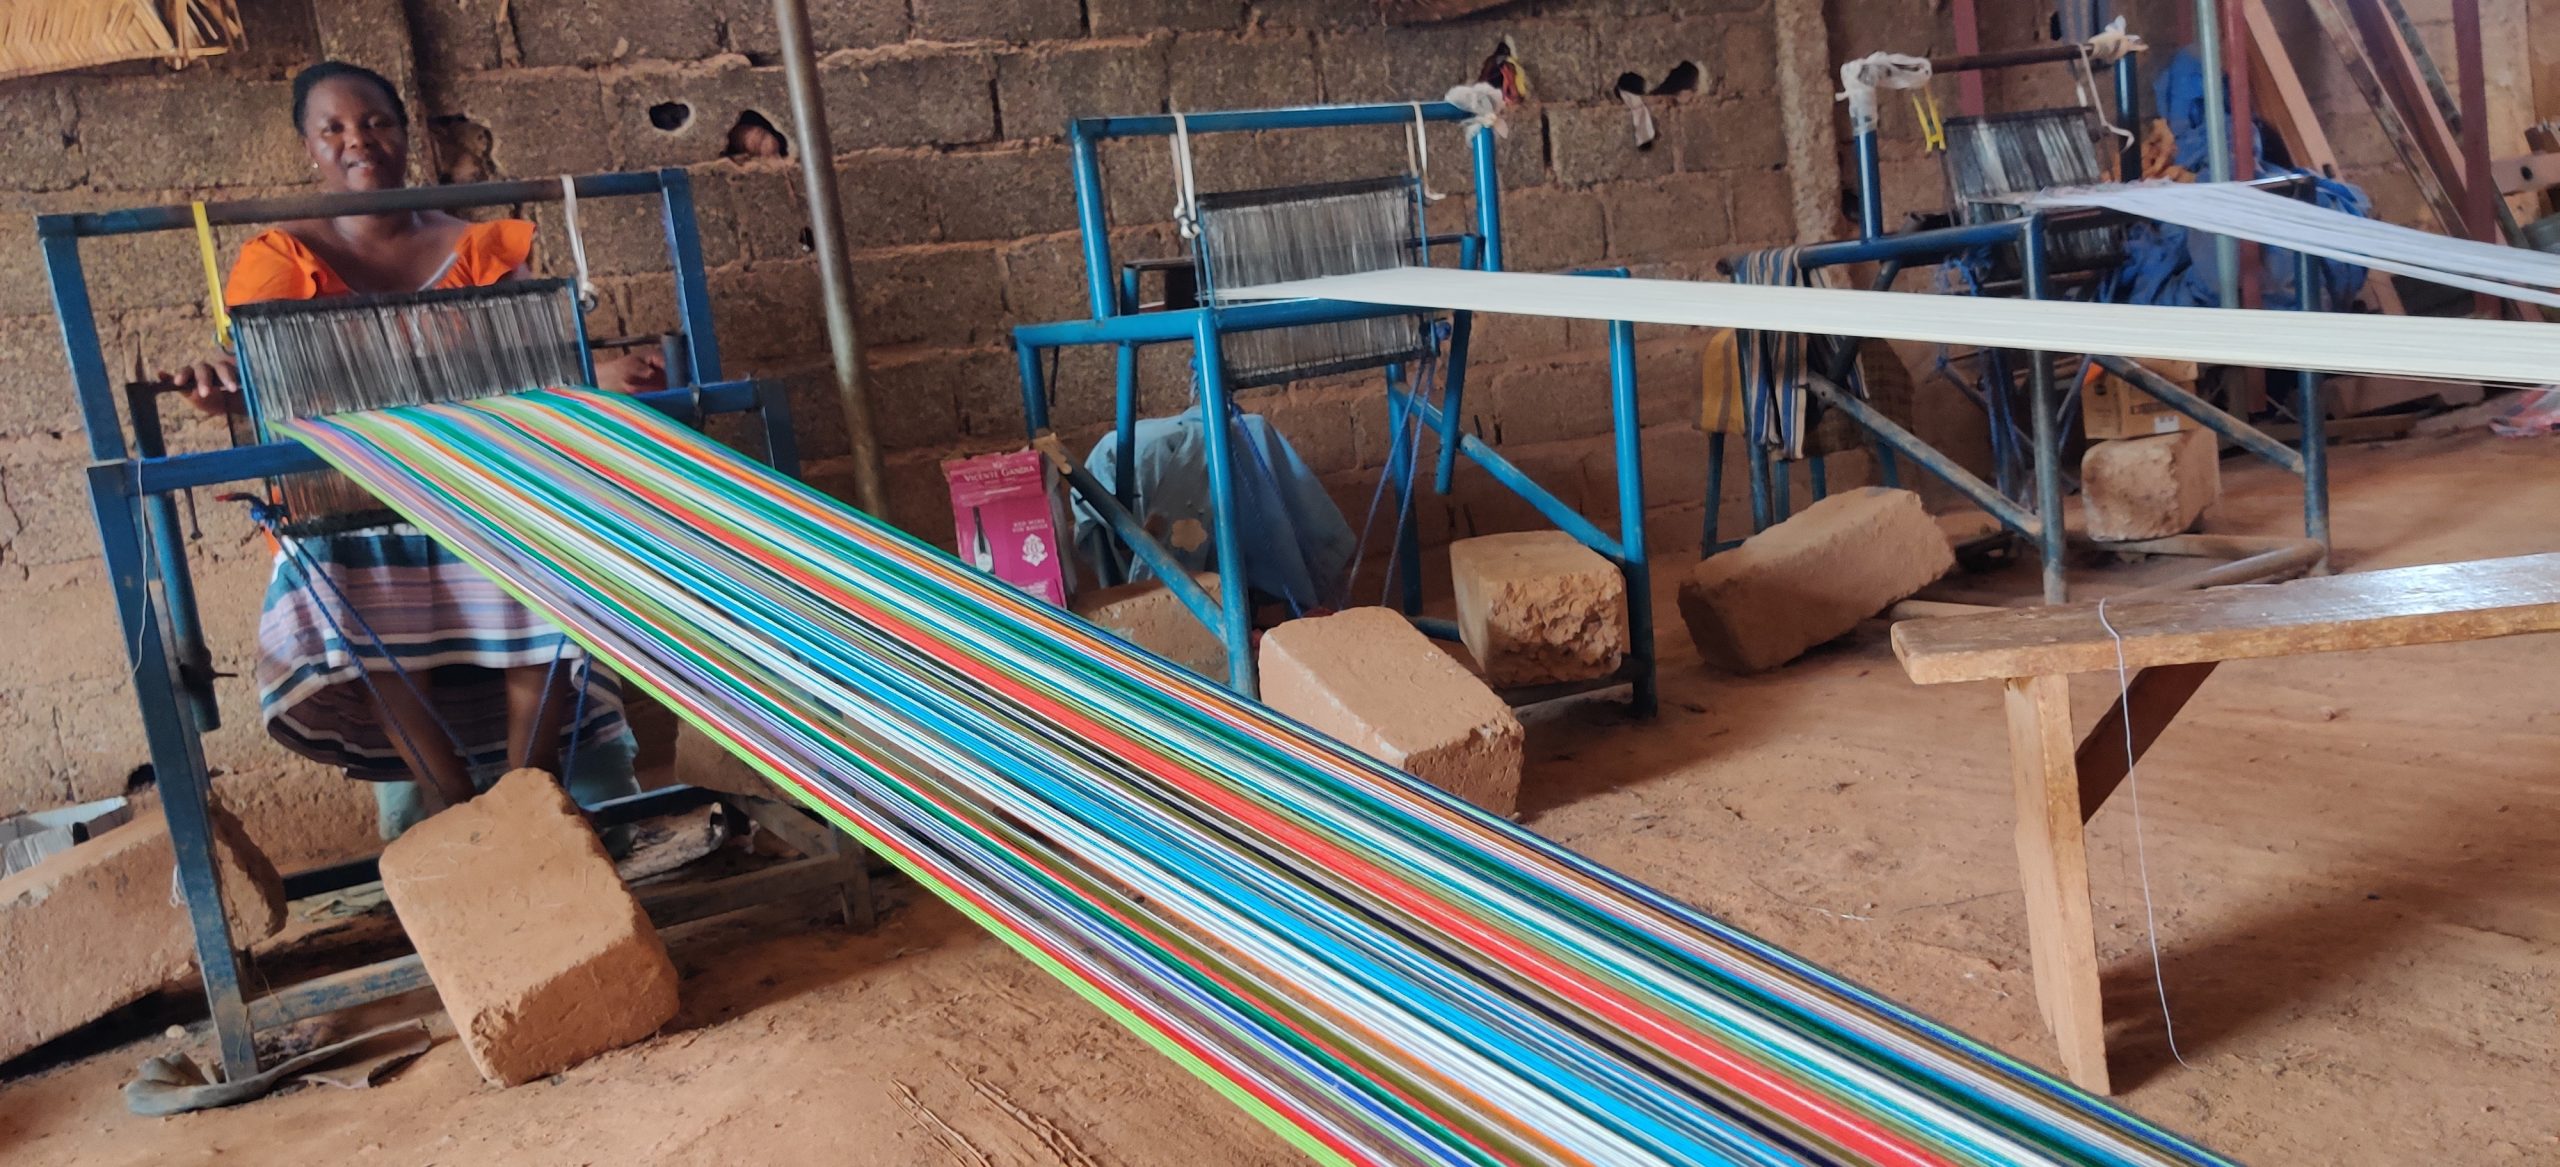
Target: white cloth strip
point(2245, 212)
point(2384, 346)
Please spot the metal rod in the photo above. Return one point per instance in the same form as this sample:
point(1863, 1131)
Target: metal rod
point(1146, 547)
point(1217, 430)
point(1929, 458)
point(1870, 190)
point(2205, 413)
point(1407, 540)
point(2048, 437)
point(2129, 117)
point(177, 761)
point(1124, 424)
point(2307, 406)
point(1453, 393)
point(826, 238)
point(2217, 142)
point(2004, 59)
point(1093, 220)
point(693, 289)
point(181, 216)
point(1715, 494)
point(1307, 117)
point(1488, 199)
point(1627, 418)
point(1518, 482)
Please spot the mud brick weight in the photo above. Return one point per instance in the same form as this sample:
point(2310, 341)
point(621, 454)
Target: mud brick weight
point(2149, 488)
point(541, 956)
point(1148, 615)
point(1537, 607)
point(1811, 578)
point(94, 928)
point(1366, 678)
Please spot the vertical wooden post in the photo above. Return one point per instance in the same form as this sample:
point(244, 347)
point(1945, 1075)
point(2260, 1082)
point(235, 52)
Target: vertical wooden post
point(2053, 867)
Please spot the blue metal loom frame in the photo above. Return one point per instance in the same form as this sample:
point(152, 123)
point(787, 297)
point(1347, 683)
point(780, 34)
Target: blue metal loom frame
point(2044, 525)
point(130, 489)
point(1117, 321)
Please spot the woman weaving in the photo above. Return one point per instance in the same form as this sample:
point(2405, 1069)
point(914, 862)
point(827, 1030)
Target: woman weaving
point(404, 662)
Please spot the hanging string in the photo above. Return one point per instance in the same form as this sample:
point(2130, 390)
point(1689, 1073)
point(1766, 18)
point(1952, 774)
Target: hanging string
point(212, 277)
point(2141, 859)
point(577, 241)
point(1417, 156)
point(1186, 207)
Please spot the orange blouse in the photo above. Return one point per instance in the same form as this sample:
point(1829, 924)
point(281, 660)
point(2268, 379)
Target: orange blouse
point(277, 266)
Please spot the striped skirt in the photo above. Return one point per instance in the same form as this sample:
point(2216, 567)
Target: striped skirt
point(393, 594)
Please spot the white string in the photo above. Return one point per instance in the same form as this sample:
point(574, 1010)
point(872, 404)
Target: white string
point(2141, 858)
point(1186, 207)
point(577, 241)
point(1417, 154)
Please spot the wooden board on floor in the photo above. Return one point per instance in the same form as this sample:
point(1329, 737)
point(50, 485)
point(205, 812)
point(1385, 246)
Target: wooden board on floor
point(2378, 609)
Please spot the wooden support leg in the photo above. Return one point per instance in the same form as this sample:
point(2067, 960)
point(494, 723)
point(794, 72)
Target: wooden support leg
point(2053, 866)
point(818, 840)
point(2152, 700)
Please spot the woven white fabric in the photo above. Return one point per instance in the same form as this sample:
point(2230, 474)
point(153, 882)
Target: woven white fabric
point(2246, 212)
point(2385, 346)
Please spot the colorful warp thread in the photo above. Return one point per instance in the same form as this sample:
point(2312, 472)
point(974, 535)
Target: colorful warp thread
point(1378, 972)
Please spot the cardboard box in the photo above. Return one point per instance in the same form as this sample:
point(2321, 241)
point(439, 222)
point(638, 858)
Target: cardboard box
point(1012, 521)
point(2110, 408)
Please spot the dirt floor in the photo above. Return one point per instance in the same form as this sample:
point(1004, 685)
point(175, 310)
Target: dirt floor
point(2351, 860)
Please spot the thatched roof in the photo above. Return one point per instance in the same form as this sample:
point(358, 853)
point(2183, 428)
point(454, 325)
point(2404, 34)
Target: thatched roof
point(50, 36)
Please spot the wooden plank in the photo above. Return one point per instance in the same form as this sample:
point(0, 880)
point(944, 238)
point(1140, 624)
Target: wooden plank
point(2153, 699)
point(2526, 174)
point(2288, 105)
point(2379, 609)
point(2360, 70)
point(2395, 61)
point(2053, 868)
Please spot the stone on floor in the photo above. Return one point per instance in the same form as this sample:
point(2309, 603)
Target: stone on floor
point(1367, 678)
point(97, 927)
point(541, 956)
point(1811, 578)
point(1147, 614)
point(2149, 488)
point(1537, 607)
point(702, 762)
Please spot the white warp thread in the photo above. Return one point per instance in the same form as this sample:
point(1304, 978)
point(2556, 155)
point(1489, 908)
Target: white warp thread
point(2328, 342)
point(2245, 212)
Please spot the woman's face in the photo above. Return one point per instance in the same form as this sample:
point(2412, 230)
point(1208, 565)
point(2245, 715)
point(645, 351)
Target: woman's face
point(355, 140)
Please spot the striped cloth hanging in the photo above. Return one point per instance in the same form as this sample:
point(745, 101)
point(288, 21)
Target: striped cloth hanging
point(1378, 972)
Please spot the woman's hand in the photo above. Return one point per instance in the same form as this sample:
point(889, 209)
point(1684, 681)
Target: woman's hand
point(636, 372)
point(212, 386)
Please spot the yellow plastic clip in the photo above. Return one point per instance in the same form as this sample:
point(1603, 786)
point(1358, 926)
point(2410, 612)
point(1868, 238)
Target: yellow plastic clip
point(1933, 124)
point(212, 277)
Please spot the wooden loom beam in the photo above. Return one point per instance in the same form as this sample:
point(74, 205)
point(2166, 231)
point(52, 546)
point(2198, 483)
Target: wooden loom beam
point(2287, 107)
point(2361, 71)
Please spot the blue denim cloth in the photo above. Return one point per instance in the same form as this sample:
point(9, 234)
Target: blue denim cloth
point(1296, 546)
point(2168, 264)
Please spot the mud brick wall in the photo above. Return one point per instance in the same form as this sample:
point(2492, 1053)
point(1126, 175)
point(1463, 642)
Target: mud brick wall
point(947, 117)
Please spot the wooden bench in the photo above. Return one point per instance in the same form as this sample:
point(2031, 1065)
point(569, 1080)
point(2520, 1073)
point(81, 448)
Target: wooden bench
point(2174, 643)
